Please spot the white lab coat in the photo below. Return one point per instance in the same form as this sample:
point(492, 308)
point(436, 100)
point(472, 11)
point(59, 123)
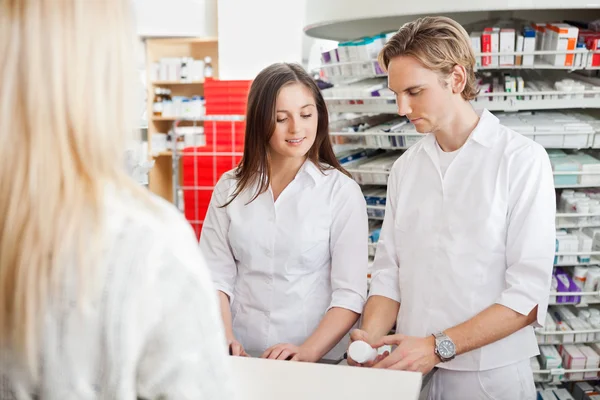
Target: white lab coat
point(284, 264)
point(484, 234)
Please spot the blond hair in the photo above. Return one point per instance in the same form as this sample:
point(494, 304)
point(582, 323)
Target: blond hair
point(439, 43)
point(66, 111)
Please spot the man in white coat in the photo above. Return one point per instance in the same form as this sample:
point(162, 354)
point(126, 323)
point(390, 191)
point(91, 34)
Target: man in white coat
point(464, 261)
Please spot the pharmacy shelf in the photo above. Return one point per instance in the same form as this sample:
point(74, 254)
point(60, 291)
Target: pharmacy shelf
point(374, 133)
point(577, 186)
point(592, 262)
point(185, 153)
point(387, 105)
point(562, 371)
point(561, 254)
point(576, 215)
point(558, 173)
point(164, 118)
point(170, 83)
point(202, 118)
point(578, 226)
point(367, 134)
point(213, 118)
point(536, 65)
point(540, 332)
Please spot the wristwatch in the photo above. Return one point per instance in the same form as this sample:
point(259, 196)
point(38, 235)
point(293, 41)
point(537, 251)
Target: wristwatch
point(444, 347)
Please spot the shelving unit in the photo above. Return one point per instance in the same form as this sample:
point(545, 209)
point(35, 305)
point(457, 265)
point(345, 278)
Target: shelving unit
point(370, 19)
point(197, 168)
point(161, 179)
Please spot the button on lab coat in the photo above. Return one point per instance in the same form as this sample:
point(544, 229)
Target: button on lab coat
point(484, 234)
point(285, 263)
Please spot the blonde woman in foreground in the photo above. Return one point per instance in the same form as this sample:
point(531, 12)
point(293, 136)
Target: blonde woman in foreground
point(103, 293)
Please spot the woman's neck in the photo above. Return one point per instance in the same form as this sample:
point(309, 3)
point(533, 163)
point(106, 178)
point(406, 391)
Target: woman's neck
point(283, 171)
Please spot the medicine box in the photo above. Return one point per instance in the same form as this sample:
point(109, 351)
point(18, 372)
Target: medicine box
point(593, 361)
point(573, 358)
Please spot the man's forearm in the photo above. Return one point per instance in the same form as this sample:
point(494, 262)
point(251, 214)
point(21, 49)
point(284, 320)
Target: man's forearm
point(379, 316)
point(492, 324)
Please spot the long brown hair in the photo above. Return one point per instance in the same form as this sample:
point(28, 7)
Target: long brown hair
point(261, 118)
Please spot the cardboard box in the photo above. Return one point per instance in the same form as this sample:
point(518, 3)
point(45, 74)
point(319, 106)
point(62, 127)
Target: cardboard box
point(563, 394)
point(592, 361)
point(476, 45)
point(562, 37)
point(573, 359)
point(581, 389)
point(529, 45)
point(486, 47)
point(519, 48)
point(491, 44)
point(507, 45)
point(540, 39)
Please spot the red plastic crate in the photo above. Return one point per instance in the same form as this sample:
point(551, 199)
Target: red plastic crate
point(205, 170)
point(226, 97)
point(197, 230)
point(225, 136)
point(195, 204)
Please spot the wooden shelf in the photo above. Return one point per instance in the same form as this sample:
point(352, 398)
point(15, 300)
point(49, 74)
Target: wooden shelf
point(160, 177)
point(171, 83)
point(185, 40)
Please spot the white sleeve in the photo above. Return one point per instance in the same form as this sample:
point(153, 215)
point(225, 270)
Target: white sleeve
point(184, 355)
point(384, 273)
point(349, 249)
point(531, 236)
point(214, 242)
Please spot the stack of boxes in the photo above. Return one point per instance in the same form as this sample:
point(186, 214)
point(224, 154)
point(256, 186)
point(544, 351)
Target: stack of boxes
point(558, 37)
point(202, 166)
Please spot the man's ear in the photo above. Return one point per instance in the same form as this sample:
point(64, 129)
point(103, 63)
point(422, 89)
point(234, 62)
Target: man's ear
point(458, 79)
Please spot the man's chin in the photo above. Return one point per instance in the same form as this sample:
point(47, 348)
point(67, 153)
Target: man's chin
point(422, 129)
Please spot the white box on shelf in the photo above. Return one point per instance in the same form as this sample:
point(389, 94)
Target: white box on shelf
point(476, 45)
point(592, 361)
point(550, 358)
point(540, 39)
point(519, 48)
point(529, 38)
point(573, 359)
point(495, 41)
point(507, 45)
point(562, 37)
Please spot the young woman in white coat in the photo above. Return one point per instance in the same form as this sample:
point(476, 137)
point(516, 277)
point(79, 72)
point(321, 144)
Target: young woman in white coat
point(285, 235)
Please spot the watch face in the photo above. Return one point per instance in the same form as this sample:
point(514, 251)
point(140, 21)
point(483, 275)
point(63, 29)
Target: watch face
point(446, 349)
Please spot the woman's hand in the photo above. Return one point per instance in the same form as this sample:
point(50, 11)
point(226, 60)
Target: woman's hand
point(287, 351)
point(236, 348)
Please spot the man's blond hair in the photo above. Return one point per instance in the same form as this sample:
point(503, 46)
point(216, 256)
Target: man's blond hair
point(439, 43)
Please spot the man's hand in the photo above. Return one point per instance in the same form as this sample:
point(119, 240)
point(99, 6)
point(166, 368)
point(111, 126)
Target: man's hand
point(412, 354)
point(236, 348)
point(357, 334)
point(287, 351)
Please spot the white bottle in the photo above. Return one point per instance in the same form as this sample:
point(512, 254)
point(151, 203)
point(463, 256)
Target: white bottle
point(208, 69)
point(361, 352)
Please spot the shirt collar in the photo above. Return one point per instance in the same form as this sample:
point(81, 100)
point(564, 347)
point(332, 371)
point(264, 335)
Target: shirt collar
point(485, 132)
point(309, 168)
